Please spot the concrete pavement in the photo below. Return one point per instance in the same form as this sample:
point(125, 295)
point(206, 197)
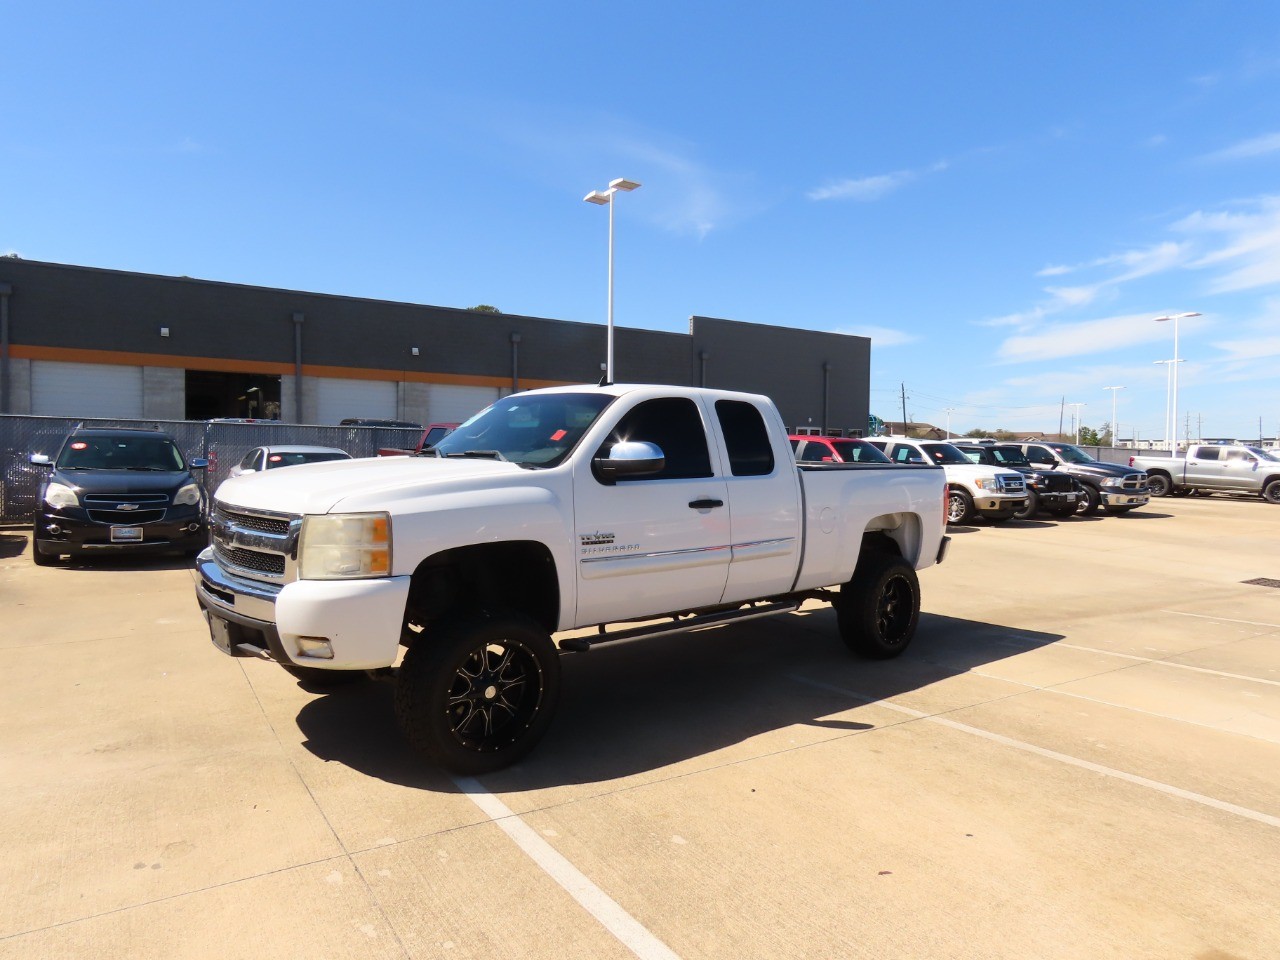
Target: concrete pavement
point(1079, 757)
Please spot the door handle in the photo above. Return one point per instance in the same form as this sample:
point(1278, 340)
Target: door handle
point(705, 504)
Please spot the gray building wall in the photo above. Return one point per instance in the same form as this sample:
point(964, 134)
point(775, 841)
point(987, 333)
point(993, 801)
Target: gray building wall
point(812, 375)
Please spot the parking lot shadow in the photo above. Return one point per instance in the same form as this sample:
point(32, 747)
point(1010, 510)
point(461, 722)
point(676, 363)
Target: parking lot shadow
point(12, 544)
point(647, 704)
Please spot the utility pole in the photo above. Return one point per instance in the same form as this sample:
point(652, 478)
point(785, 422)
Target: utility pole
point(1062, 410)
point(951, 410)
point(904, 409)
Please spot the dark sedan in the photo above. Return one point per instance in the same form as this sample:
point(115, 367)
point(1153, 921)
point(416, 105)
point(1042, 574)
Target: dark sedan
point(117, 491)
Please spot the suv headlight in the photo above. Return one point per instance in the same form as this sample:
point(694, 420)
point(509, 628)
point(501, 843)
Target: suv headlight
point(345, 546)
point(189, 495)
point(59, 495)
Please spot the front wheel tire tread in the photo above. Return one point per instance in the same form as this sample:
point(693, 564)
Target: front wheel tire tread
point(878, 609)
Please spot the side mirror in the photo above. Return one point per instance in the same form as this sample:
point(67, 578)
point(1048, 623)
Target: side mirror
point(198, 463)
point(630, 458)
point(40, 459)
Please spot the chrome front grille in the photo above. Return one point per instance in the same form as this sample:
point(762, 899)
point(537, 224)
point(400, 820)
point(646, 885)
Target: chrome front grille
point(1013, 484)
point(1135, 482)
point(257, 544)
point(130, 508)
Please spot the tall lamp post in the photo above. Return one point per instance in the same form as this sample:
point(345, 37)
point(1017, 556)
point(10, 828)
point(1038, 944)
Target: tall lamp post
point(1175, 317)
point(1113, 412)
point(605, 197)
point(1168, 392)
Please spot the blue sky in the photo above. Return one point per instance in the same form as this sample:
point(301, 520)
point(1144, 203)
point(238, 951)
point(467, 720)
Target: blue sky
point(1002, 195)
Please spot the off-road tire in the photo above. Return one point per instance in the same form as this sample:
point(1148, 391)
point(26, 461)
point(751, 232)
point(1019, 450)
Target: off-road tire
point(1032, 507)
point(476, 694)
point(878, 609)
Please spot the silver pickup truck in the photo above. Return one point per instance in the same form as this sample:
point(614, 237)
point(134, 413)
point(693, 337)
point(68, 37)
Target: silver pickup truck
point(1214, 467)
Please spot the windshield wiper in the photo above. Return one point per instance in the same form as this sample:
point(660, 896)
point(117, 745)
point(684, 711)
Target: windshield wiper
point(157, 469)
point(479, 454)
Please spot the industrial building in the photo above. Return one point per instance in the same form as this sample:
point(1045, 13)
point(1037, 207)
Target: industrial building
point(88, 342)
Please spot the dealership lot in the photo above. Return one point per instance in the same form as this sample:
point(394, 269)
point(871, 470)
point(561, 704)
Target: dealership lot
point(1078, 757)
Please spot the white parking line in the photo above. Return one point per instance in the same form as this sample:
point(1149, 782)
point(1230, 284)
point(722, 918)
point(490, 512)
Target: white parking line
point(1205, 616)
point(630, 933)
point(1151, 660)
point(1164, 788)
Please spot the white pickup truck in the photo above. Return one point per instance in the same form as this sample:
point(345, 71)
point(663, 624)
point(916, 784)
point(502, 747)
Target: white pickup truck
point(573, 507)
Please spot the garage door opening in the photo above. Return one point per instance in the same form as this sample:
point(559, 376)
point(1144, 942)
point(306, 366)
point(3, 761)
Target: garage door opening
point(211, 395)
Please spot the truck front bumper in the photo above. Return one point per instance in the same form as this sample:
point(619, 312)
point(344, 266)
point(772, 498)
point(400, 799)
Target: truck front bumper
point(326, 624)
point(1125, 498)
point(999, 506)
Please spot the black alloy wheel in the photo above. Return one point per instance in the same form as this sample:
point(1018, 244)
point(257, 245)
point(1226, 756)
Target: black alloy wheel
point(878, 609)
point(1159, 484)
point(477, 694)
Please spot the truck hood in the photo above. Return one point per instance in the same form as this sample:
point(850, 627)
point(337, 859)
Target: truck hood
point(976, 471)
point(1098, 469)
point(356, 485)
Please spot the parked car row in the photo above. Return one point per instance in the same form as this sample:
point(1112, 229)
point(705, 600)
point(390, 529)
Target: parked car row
point(1001, 481)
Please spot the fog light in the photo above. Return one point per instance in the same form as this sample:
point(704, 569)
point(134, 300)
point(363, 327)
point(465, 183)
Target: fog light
point(193, 527)
point(315, 647)
point(54, 529)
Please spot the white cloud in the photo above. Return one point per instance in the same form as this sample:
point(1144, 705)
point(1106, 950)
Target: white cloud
point(864, 189)
point(1250, 245)
point(1076, 339)
point(1246, 149)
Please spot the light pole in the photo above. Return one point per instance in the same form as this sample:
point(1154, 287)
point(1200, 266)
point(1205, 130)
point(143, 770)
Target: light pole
point(1168, 373)
point(1077, 417)
point(604, 197)
point(950, 411)
point(1175, 317)
point(1113, 412)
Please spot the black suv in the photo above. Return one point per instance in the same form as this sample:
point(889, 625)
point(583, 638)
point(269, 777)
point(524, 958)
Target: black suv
point(114, 490)
point(1055, 493)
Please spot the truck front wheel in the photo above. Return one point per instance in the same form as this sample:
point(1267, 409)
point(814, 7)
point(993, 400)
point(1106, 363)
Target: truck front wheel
point(1271, 492)
point(476, 694)
point(959, 506)
point(1090, 500)
point(877, 610)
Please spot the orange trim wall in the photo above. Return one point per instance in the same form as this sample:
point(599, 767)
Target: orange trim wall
point(221, 365)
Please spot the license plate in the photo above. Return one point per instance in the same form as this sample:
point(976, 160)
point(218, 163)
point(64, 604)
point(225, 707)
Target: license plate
point(1070, 496)
point(126, 534)
point(219, 633)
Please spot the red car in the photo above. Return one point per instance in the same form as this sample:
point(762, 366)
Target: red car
point(835, 450)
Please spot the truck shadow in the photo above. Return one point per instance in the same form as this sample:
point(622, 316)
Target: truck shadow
point(641, 706)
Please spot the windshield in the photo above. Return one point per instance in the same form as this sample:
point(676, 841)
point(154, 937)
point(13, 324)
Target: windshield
point(1009, 456)
point(291, 459)
point(532, 430)
point(1072, 454)
point(858, 451)
point(944, 453)
point(120, 452)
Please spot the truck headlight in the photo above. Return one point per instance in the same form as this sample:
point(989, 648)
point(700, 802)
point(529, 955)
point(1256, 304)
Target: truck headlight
point(985, 483)
point(345, 546)
point(1113, 482)
point(189, 495)
point(59, 495)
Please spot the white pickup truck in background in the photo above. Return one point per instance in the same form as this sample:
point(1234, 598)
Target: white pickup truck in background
point(549, 511)
point(1214, 468)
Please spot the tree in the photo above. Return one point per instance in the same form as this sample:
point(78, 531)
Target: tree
point(1090, 437)
point(484, 308)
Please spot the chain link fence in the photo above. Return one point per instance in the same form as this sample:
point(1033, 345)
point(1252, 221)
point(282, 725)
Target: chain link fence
point(222, 444)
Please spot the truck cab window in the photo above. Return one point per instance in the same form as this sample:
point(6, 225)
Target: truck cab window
point(675, 425)
point(746, 438)
point(1209, 453)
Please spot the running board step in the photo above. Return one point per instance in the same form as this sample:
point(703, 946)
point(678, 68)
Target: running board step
point(582, 644)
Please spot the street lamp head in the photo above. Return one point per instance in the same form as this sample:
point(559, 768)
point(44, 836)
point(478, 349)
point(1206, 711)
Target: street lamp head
point(1175, 316)
point(597, 196)
point(621, 184)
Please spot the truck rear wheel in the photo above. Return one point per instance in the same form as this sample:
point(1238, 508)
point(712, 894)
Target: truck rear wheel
point(477, 694)
point(877, 610)
point(1159, 484)
point(1271, 492)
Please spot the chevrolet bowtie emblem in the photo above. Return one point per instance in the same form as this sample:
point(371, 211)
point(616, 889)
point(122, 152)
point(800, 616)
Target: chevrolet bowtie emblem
point(126, 506)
